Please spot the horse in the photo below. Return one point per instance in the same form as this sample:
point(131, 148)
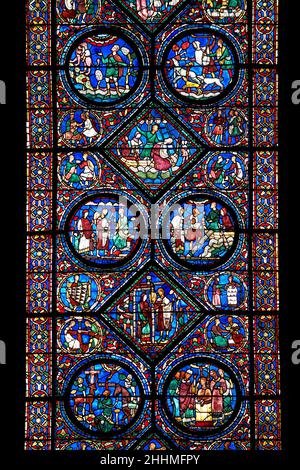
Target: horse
point(82, 401)
point(126, 400)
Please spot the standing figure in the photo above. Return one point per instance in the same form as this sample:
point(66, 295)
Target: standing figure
point(105, 405)
point(164, 309)
point(114, 70)
point(216, 293)
point(235, 128)
point(86, 58)
point(174, 395)
point(178, 232)
point(212, 219)
point(136, 145)
point(226, 220)
point(152, 136)
point(85, 230)
point(79, 56)
point(235, 172)
point(145, 319)
point(218, 127)
point(224, 58)
point(187, 397)
point(121, 238)
point(210, 67)
point(102, 230)
point(204, 405)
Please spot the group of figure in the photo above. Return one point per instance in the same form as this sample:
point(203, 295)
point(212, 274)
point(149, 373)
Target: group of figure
point(80, 129)
point(201, 233)
point(156, 316)
point(77, 10)
point(151, 9)
point(202, 399)
point(97, 75)
point(231, 290)
point(79, 172)
point(81, 336)
point(204, 72)
point(152, 155)
point(226, 336)
point(103, 233)
point(105, 401)
point(224, 5)
point(226, 172)
point(227, 128)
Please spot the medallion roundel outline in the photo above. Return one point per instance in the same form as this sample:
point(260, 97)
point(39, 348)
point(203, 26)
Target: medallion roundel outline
point(133, 45)
point(202, 361)
point(88, 177)
point(91, 335)
point(237, 298)
point(201, 31)
point(112, 197)
point(89, 296)
point(201, 264)
point(83, 369)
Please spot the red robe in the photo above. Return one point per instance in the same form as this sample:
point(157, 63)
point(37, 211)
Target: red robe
point(67, 14)
point(161, 164)
point(186, 398)
point(87, 231)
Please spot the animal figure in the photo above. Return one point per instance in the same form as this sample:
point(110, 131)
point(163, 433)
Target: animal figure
point(83, 401)
point(192, 80)
point(191, 84)
point(126, 400)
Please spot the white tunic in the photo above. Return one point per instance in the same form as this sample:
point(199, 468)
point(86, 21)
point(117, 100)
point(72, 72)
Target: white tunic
point(84, 243)
point(89, 130)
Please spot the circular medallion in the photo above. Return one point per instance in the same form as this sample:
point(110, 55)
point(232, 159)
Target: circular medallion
point(199, 66)
point(79, 170)
point(201, 397)
point(200, 231)
point(227, 170)
point(104, 398)
point(79, 292)
point(226, 127)
point(224, 11)
point(226, 334)
point(80, 336)
point(226, 291)
point(104, 68)
point(78, 128)
point(105, 230)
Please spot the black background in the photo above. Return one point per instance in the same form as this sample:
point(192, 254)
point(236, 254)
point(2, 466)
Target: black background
point(12, 248)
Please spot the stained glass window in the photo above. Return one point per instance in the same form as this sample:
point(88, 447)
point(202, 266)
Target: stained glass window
point(152, 244)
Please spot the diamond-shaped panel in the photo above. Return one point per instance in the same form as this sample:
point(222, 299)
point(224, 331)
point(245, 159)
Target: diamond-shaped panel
point(153, 149)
